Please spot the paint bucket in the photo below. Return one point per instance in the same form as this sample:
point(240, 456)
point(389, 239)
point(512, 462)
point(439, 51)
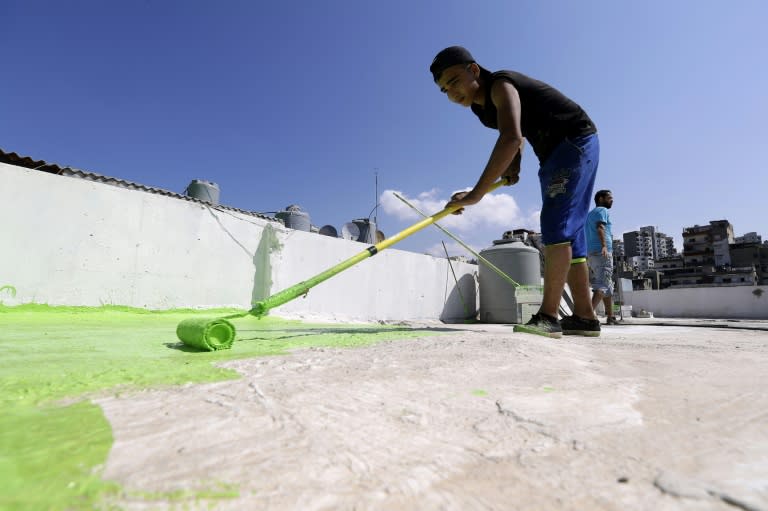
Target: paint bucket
point(294, 218)
point(205, 191)
point(500, 301)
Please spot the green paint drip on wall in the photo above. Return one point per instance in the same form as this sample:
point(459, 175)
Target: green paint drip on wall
point(53, 443)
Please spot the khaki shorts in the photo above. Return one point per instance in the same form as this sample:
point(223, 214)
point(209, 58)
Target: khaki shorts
point(601, 273)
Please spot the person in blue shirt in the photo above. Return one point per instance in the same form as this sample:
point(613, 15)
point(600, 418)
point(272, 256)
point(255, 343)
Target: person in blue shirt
point(600, 253)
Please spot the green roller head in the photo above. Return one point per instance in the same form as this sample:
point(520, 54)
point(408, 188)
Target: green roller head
point(206, 333)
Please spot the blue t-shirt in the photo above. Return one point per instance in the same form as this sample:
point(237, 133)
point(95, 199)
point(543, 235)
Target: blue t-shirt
point(597, 216)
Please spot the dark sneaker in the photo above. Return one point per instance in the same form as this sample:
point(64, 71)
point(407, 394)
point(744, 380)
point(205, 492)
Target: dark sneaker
point(541, 324)
point(574, 325)
point(612, 321)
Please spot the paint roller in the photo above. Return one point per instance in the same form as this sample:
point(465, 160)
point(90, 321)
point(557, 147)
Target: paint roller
point(219, 333)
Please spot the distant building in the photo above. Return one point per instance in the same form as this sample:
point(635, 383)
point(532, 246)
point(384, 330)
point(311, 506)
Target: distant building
point(708, 244)
point(648, 242)
point(618, 249)
point(641, 263)
point(639, 243)
point(750, 237)
point(751, 255)
point(670, 263)
point(712, 256)
point(620, 263)
point(707, 275)
point(665, 246)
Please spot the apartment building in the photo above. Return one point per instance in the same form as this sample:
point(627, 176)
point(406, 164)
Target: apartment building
point(644, 246)
point(750, 237)
point(712, 256)
point(751, 254)
point(664, 245)
point(709, 276)
point(641, 263)
point(670, 263)
point(708, 244)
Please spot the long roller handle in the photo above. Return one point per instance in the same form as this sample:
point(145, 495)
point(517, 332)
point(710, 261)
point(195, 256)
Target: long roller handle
point(261, 308)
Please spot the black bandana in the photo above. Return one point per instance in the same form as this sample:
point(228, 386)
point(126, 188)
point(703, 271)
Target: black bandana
point(449, 57)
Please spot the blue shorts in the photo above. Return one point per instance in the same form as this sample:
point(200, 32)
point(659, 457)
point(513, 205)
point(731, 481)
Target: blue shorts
point(601, 273)
point(567, 178)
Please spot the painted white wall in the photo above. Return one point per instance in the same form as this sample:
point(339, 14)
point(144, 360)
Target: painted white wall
point(69, 241)
point(737, 302)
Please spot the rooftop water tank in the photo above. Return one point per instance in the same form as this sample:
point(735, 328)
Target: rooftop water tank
point(500, 300)
point(294, 218)
point(362, 230)
point(329, 230)
point(203, 190)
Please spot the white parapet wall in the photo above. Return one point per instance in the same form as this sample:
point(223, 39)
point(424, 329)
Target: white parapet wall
point(71, 241)
point(737, 302)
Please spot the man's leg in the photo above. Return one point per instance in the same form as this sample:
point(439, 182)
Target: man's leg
point(557, 270)
point(597, 296)
point(557, 263)
point(584, 320)
point(578, 281)
point(608, 304)
point(566, 178)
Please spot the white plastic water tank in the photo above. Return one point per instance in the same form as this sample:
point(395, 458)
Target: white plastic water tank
point(294, 218)
point(204, 191)
point(500, 300)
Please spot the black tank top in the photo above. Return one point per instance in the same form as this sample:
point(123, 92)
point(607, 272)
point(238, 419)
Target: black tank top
point(547, 117)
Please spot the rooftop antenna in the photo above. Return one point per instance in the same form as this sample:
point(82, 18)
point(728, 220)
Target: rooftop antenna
point(376, 201)
point(375, 210)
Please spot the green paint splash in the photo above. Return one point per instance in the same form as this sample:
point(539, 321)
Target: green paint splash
point(53, 442)
point(59, 474)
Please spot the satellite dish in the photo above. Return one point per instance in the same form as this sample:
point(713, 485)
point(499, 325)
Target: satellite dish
point(350, 231)
point(380, 236)
point(329, 230)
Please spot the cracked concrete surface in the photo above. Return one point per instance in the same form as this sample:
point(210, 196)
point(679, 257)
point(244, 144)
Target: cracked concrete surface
point(644, 417)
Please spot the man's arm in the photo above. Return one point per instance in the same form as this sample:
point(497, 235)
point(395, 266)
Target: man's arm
point(601, 234)
point(513, 171)
point(505, 158)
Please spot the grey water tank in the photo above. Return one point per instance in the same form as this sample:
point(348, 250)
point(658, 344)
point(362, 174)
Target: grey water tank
point(204, 191)
point(329, 230)
point(500, 300)
point(294, 218)
point(362, 230)
point(367, 230)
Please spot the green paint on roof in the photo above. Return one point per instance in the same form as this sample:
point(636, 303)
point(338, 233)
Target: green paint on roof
point(54, 442)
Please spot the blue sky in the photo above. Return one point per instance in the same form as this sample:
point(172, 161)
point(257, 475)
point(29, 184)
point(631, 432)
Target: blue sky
point(303, 102)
